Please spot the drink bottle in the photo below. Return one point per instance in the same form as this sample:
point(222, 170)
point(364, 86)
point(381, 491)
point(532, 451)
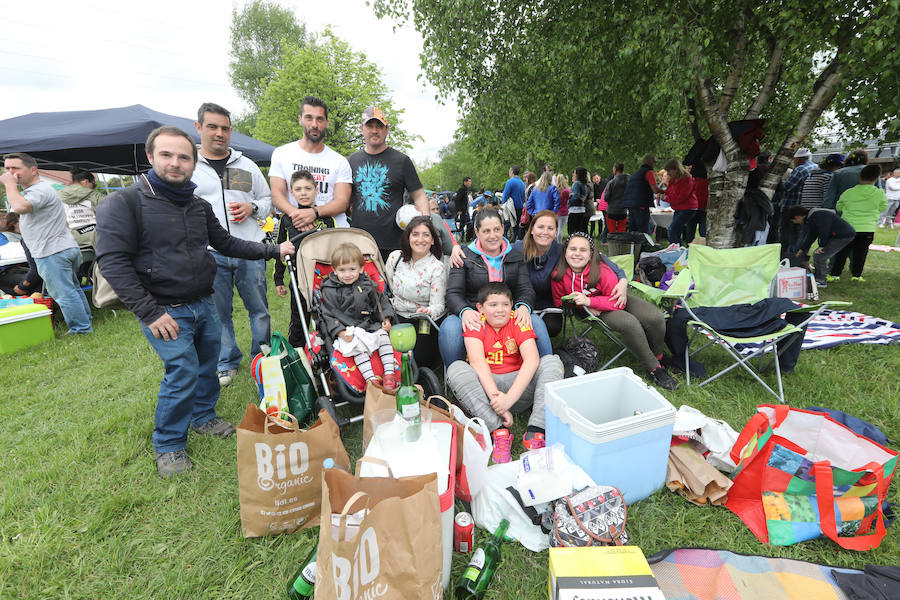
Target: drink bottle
point(408, 400)
point(303, 583)
point(477, 576)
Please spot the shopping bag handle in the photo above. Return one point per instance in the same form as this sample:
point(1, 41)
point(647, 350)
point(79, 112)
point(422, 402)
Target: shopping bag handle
point(375, 461)
point(485, 434)
point(342, 522)
point(756, 426)
point(827, 521)
point(447, 403)
point(351, 501)
point(272, 420)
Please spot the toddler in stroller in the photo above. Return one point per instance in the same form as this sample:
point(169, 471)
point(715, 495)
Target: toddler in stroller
point(357, 317)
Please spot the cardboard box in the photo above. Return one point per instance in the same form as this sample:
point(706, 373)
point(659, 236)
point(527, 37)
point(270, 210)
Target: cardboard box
point(601, 573)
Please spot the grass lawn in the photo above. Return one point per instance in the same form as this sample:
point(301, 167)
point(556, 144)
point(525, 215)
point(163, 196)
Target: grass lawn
point(84, 515)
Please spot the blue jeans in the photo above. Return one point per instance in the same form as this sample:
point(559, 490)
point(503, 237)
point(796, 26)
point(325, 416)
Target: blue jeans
point(680, 221)
point(249, 277)
point(190, 387)
point(59, 273)
point(453, 347)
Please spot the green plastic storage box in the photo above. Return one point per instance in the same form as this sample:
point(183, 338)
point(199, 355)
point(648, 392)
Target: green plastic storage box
point(24, 326)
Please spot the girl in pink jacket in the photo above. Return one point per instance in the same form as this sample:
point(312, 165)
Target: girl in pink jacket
point(584, 278)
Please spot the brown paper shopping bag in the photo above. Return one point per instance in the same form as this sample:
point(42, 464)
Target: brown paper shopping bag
point(395, 552)
point(376, 399)
point(280, 470)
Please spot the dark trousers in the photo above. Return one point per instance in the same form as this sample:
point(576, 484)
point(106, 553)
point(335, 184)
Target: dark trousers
point(857, 250)
point(577, 222)
point(639, 220)
point(680, 221)
point(697, 225)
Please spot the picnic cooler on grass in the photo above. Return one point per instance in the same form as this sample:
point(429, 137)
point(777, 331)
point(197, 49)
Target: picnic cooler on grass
point(23, 326)
point(615, 427)
point(280, 470)
point(801, 475)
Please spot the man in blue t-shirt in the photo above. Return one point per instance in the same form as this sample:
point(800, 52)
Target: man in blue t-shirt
point(515, 189)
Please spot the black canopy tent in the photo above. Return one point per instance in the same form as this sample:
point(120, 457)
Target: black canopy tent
point(107, 141)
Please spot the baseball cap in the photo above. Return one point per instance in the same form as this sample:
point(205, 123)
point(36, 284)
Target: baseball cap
point(802, 153)
point(373, 112)
point(835, 159)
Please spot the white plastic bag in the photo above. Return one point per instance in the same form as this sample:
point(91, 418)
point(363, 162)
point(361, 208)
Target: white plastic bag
point(494, 503)
point(476, 456)
point(544, 475)
point(718, 436)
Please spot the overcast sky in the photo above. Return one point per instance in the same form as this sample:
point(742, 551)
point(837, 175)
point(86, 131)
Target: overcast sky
point(172, 55)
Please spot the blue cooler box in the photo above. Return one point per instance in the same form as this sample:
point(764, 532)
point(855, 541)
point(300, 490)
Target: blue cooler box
point(615, 427)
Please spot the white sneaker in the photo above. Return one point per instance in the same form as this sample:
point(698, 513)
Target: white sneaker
point(226, 377)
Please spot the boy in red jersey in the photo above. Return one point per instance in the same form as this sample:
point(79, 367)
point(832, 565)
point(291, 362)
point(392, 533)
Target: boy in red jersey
point(504, 373)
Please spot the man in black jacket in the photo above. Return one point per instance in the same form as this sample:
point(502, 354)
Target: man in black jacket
point(461, 200)
point(152, 247)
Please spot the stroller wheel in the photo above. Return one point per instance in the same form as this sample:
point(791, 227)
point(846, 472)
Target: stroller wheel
point(431, 385)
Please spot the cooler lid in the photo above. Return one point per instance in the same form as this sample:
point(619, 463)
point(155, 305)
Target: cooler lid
point(13, 314)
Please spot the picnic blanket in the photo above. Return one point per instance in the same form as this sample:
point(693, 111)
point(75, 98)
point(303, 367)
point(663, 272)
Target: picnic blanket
point(835, 327)
point(692, 573)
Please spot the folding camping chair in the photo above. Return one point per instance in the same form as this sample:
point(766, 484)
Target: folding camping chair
point(738, 276)
point(626, 263)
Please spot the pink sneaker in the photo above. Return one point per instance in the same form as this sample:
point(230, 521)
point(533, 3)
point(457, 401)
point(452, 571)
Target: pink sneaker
point(533, 440)
point(502, 445)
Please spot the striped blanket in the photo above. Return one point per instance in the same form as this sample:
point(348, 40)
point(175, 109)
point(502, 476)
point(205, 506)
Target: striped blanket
point(835, 327)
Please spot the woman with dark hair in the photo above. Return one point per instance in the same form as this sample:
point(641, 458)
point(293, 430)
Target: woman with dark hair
point(418, 281)
point(681, 197)
point(595, 285)
point(541, 252)
point(577, 201)
point(489, 258)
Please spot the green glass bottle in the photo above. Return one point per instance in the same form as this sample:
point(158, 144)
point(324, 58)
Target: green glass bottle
point(408, 400)
point(478, 575)
point(302, 584)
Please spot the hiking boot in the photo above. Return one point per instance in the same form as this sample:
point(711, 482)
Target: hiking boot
point(502, 444)
point(217, 426)
point(172, 463)
point(832, 278)
point(858, 279)
point(226, 377)
point(659, 376)
point(534, 440)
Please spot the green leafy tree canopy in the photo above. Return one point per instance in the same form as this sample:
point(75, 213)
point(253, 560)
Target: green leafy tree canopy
point(345, 79)
point(259, 32)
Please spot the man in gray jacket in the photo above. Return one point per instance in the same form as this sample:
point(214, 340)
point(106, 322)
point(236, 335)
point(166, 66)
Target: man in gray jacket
point(153, 241)
point(238, 194)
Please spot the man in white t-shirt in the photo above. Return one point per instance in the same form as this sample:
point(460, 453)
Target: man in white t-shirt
point(43, 223)
point(331, 170)
point(892, 189)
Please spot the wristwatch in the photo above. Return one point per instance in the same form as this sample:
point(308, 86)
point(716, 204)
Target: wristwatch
point(315, 211)
point(254, 210)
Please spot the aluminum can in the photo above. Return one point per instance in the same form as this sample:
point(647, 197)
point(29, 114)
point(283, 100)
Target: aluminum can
point(463, 532)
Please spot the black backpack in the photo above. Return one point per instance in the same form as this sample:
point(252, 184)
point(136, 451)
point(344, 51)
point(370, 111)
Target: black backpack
point(651, 270)
point(579, 356)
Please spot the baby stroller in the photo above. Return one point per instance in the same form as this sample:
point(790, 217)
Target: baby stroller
point(314, 266)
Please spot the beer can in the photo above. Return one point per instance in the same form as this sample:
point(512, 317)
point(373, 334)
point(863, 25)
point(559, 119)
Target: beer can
point(463, 532)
